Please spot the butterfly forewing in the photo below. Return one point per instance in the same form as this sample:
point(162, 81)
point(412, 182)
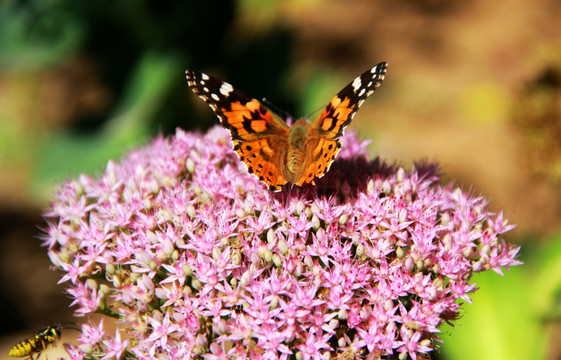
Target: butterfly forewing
point(338, 114)
point(245, 117)
point(324, 143)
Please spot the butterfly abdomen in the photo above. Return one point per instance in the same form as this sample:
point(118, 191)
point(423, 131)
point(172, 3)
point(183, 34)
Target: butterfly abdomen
point(296, 152)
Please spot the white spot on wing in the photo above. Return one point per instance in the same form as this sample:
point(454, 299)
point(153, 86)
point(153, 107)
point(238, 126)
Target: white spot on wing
point(215, 97)
point(226, 89)
point(356, 84)
point(204, 76)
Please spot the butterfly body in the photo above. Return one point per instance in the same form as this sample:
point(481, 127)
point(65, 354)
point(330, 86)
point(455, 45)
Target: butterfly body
point(297, 141)
point(273, 151)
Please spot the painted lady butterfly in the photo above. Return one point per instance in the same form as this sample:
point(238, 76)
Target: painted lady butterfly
point(273, 151)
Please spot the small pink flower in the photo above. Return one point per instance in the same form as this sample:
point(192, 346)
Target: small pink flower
point(115, 347)
point(74, 352)
point(161, 330)
point(88, 300)
point(91, 337)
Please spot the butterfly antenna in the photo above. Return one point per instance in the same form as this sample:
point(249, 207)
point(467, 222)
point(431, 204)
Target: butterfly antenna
point(314, 112)
point(284, 114)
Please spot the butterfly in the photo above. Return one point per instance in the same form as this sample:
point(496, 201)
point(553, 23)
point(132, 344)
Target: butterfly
point(273, 151)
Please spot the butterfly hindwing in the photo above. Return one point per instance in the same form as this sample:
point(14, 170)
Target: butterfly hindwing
point(322, 152)
point(263, 161)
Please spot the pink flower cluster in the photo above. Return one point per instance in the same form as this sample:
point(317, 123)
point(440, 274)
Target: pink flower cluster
point(198, 260)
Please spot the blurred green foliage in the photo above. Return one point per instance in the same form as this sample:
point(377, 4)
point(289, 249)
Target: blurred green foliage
point(34, 34)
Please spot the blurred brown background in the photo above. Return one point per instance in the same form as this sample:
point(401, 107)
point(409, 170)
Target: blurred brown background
point(474, 85)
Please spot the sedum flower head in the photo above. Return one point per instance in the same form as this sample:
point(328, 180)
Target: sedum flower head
point(198, 260)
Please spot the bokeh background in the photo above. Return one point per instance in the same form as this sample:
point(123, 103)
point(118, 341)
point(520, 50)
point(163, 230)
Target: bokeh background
point(474, 85)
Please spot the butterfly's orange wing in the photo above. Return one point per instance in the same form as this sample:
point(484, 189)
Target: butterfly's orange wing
point(324, 142)
point(258, 135)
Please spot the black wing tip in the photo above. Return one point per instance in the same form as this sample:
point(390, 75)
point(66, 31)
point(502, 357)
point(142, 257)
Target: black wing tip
point(193, 75)
point(380, 69)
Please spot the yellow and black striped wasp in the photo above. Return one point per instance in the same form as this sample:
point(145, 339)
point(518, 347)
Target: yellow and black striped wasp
point(39, 342)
